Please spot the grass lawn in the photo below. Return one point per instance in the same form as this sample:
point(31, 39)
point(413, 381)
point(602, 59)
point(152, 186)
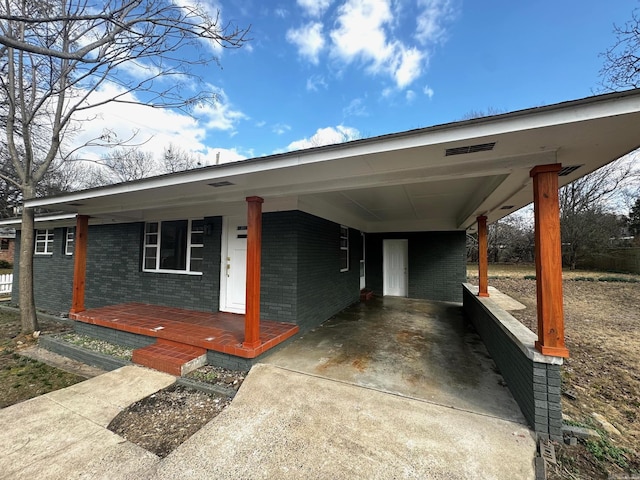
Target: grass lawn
point(5, 271)
point(602, 375)
point(22, 378)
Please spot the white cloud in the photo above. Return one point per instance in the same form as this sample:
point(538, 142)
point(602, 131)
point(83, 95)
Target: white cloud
point(213, 156)
point(281, 12)
point(314, 8)
point(360, 33)
point(315, 82)
point(429, 24)
point(428, 91)
point(221, 115)
point(152, 129)
point(280, 128)
point(356, 108)
point(308, 39)
point(408, 67)
point(367, 33)
point(326, 136)
point(410, 95)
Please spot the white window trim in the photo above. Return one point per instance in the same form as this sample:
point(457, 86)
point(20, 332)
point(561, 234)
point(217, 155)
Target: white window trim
point(345, 228)
point(48, 242)
point(157, 245)
point(70, 242)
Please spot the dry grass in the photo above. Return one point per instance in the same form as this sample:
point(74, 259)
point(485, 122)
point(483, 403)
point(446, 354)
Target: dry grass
point(602, 321)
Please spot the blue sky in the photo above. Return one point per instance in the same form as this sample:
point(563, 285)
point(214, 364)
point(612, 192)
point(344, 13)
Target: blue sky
point(317, 71)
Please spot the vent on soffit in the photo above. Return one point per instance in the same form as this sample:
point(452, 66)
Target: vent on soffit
point(567, 170)
point(224, 183)
point(481, 147)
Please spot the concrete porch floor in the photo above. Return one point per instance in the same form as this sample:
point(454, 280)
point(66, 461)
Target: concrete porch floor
point(414, 348)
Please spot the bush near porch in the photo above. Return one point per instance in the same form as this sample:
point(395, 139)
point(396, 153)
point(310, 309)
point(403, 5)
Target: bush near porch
point(602, 375)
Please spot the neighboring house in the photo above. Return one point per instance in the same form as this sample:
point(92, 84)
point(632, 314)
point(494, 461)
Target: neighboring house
point(294, 237)
point(7, 244)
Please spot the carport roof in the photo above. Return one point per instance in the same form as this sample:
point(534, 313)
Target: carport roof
point(435, 178)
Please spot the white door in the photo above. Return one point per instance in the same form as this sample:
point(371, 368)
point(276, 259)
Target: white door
point(395, 258)
point(233, 274)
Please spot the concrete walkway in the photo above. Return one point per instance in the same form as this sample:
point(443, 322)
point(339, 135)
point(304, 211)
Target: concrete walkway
point(63, 434)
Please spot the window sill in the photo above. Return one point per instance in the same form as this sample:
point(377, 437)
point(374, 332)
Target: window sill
point(175, 272)
point(43, 254)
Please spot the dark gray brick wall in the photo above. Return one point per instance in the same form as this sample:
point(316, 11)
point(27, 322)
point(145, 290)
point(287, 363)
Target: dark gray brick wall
point(535, 386)
point(301, 279)
point(53, 276)
point(437, 263)
point(114, 273)
point(125, 339)
point(323, 290)
point(279, 280)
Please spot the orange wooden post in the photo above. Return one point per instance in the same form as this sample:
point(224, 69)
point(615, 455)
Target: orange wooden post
point(483, 257)
point(254, 250)
point(548, 261)
point(80, 263)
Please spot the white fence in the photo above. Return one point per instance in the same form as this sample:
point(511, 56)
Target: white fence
point(6, 283)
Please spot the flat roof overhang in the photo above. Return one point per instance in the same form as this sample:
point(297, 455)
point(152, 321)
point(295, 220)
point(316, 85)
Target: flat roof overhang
point(398, 182)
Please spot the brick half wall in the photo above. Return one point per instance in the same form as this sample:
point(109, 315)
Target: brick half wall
point(533, 379)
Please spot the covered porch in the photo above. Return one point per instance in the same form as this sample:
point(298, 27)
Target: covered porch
point(177, 333)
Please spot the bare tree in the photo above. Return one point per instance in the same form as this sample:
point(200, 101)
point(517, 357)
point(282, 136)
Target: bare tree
point(621, 68)
point(175, 159)
point(587, 206)
point(55, 57)
point(126, 164)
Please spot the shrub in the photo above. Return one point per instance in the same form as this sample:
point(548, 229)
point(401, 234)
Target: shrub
point(618, 279)
point(529, 277)
point(5, 265)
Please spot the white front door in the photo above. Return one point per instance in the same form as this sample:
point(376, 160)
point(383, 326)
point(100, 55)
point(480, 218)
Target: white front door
point(233, 273)
point(395, 257)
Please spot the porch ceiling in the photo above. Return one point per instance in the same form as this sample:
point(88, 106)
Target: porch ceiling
point(400, 182)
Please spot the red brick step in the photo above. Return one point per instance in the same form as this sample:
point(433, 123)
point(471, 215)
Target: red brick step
point(170, 357)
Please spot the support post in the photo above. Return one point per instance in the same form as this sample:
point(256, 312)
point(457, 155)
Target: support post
point(483, 257)
point(548, 261)
point(254, 250)
point(80, 263)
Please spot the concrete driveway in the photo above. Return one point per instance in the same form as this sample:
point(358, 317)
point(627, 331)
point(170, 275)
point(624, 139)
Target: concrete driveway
point(290, 425)
point(414, 348)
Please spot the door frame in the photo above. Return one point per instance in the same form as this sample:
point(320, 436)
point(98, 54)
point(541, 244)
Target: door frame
point(227, 221)
point(405, 243)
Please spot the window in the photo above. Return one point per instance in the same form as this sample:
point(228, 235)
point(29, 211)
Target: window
point(175, 246)
point(70, 241)
point(44, 242)
point(344, 248)
point(4, 244)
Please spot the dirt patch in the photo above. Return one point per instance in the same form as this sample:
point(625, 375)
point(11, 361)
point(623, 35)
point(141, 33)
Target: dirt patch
point(602, 375)
point(163, 421)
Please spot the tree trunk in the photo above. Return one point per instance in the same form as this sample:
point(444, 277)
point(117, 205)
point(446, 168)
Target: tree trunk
point(28, 318)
